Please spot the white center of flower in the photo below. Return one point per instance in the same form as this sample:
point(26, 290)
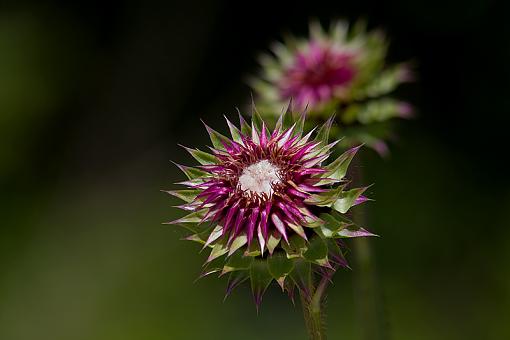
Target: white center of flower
point(259, 177)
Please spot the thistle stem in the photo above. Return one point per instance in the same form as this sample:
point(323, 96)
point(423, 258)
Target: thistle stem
point(367, 290)
point(313, 311)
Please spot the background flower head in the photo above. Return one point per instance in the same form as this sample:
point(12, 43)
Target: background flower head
point(342, 69)
point(267, 202)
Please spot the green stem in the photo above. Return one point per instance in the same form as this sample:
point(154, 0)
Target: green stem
point(313, 311)
point(367, 290)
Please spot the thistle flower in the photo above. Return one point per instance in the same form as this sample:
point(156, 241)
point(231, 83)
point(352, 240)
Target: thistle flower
point(268, 207)
point(343, 70)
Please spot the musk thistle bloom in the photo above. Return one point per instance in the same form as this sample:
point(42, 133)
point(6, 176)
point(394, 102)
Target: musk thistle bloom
point(268, 206)
point(343, 70)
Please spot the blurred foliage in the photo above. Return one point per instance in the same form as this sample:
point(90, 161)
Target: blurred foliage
point(94, 98)
point(37, 61)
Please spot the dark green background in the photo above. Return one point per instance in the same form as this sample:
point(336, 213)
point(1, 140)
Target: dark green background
point(94, 97)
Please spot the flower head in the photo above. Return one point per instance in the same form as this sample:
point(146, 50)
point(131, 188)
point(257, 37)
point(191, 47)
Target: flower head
point(266, 203)
point(342, 69)
point(320, 72)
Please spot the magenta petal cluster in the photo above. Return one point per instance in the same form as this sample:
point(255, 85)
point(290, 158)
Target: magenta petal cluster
point(259, 185)
point(317, 74)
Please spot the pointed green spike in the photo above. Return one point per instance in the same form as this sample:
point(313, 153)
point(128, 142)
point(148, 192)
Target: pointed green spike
point(338, 168)
point(238, 242)
point(326, 199)
point(281, 282)
point(235, 279)
point(331, 225)
point(279, 266)
point(354, 231)
point(256, 119)
point(272, 243)
point(295, 247)
point(348, 199)
point(194, 217)
point(333, 247)
point(386, 81)
point(298, 230)
point(339, 30)
point(279, 123)
point(237, 262)
point(190, 172)
point(195, 238)
point(217, 139)
point(300, 123)
point(219, 249)
point(288, 118)
point(202, 157)
point(375, 110)
point(200, 235)
point(253, 249)
point(191, 182)
point(213, 266)
point(245, 128)
point(302, 275)
point(306, 137)
point(260, 279)
point(317, 251)
point(358, 29)
point(198, 231)
point(282, 52)
point(316, 30)
point(323, 132)
point(187, 195)
point(234, 131)
point(213, 235)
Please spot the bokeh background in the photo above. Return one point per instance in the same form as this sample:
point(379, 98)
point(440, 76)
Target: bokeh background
point(94, 97)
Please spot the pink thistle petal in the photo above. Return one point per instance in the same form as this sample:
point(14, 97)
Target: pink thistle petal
point(217, 210)
point(263, 136)
point(279, 225)
point(251, 224)
point(298, 230)
point(237, 225)
point(297, 193)
point(262, 240)
point(285, 209)
point(310, 188)
point(290, 143)
point(295, 211)
point(264, 217)
point(307, 137)
point(231, 212)
point(213, 191)
point(316, 160)
point(303, 151)
point(254, 134)
point(285, 136)
point(361, 199)
point(313, 171)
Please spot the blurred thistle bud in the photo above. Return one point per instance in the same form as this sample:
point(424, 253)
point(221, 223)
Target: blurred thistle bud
point(269, 206)
point(342, 70)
